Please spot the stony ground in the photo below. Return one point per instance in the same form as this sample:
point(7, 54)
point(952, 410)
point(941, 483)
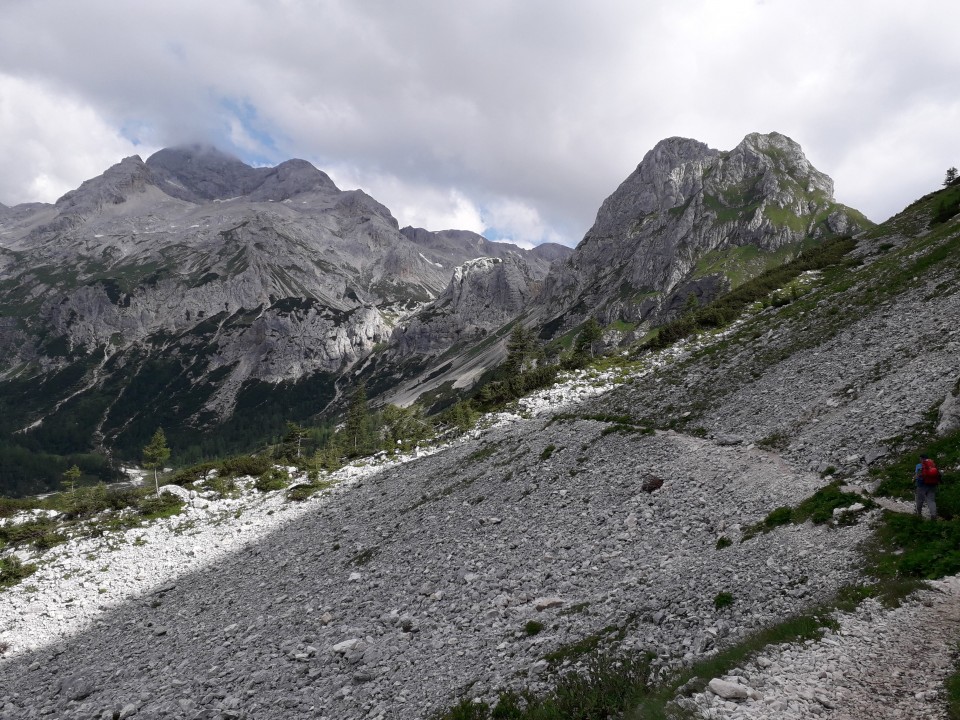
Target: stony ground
point(879, 664)
point(413, 585)
point(470, 570)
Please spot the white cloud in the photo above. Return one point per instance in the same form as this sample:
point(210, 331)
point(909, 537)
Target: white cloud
point(517, 222)
point(451, 108)
point(49, 143)
point(417, 205)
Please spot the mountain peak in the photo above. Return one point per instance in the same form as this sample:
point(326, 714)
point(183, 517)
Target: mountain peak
point(114, 186)
point(686, 201)
point(200, 173)
point(784, 155)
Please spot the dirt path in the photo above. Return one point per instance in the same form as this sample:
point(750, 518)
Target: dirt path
point(881, 664)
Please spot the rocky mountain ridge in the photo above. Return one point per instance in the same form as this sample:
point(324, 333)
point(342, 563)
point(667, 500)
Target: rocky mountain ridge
point(221, 278)
point(691, 220)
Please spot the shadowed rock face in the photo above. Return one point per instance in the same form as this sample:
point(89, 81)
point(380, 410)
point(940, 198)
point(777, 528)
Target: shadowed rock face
point(683, 202)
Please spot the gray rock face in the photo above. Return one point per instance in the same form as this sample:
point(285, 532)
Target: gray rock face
point(948, 418)
point(674, 227)
point(238, 275)
point(483, 294)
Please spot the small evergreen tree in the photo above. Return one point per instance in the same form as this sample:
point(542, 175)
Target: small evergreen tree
point(521, 350)
point(293, 440)
point(461, 416)
point(951, 176)
point(590, 333)
point(403, 427)
point(71, 476)
point(155, 454)
point(358, 431)
point(330, 457)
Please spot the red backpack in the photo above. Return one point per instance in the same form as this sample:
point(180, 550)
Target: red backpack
point(929, 473)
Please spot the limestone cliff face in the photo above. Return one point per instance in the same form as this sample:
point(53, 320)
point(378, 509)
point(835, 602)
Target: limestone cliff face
point(482, 295)
point(680, 222)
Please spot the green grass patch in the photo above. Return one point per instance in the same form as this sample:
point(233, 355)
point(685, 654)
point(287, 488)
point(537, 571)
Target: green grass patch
point(952, 686)
point(729, 306)
point(921, 548)
point(722, 600)
point(363, 557)
point(483, 453)
point(605, 687)
point(12, 571)
point(533, 627)
point(817, 508)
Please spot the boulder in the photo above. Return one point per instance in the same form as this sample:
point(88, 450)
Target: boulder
point(948, 418)
point(728, 690)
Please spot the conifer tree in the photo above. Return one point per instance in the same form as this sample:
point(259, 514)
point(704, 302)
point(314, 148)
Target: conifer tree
point(293, 440)
point(358, 430)
point(71, 476)
point(521, 349)
point(951, 176)
point(155, 454)
point(589, 333)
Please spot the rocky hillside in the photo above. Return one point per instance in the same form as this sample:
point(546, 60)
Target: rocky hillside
point(179, 290)
point(691, 220)
point(191, 291)
point(616, 511)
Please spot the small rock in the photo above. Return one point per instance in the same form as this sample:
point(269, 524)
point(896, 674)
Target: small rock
point(728, 690)
point(545, 603)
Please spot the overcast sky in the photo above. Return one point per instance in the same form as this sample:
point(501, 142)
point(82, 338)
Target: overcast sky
point(514, 118)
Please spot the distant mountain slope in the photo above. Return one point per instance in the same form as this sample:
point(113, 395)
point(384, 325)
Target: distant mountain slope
point(190, 290)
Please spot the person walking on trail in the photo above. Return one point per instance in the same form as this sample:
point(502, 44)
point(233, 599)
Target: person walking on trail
point(926, 477)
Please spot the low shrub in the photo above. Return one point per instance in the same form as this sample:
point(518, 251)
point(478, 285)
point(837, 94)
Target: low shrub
point(607, 687)
point(41, 533)
point(12, 571)
point(273, 479)
point(533, 627)
point(303, 491)
point(166, 505)
point(722, 600)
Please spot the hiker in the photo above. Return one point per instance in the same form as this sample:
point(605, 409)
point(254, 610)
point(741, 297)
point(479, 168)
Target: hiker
point(926, 476)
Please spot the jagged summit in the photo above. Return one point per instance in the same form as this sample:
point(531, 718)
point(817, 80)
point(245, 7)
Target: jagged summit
point(201, 173)
point(679, 223)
